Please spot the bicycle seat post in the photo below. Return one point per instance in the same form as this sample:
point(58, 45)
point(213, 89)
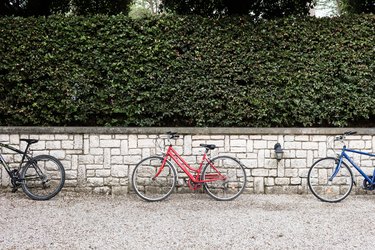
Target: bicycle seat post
point(29, 142)
point(207, 150)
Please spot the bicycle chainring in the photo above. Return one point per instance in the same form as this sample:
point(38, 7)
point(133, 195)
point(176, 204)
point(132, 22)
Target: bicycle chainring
point(15, 179)
point(367, 185)
point(194, 185)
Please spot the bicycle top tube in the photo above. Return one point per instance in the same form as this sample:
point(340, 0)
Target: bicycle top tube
point(345, 149)
point(11, 148)
point(24, 154)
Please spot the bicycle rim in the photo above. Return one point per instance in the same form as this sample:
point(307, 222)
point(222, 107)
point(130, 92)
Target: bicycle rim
point(327, 190)
point(42, 177)
point(150, 187)
point(234, 180)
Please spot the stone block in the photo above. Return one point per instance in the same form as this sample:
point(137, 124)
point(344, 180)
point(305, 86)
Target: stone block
point(94, 141)
point(120, 190)
point(78, 142)
point(132, 159)
point(96, 151)
point(260, 144)
point(258, 185)
point(357, 144)
point(67, 145)
point(259, 172)
point(119, 171)
point(118, 159)
point(282, 181)
point(110, 143)
point(298, 163)
point(310, 145)
point(133, 141)
point(95, 181)
point(102, 173)
point(59, 154)
point(238, 143)
point(295, 181)
point(301, 138)
point(146, 143)
point(291, 173)
point(292, 145)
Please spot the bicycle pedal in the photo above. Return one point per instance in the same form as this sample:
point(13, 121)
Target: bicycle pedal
point(14, 190)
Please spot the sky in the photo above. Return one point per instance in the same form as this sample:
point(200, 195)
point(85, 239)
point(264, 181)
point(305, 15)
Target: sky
point(325, 8)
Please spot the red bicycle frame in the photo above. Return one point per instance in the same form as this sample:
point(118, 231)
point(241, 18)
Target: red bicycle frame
point(172, 154)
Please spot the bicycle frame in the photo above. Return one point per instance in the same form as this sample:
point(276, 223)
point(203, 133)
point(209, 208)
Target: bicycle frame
point(23, 153)
point(172, 154)
point(344, 155)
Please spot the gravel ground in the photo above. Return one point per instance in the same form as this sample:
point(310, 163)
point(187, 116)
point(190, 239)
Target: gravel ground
point(189, 221)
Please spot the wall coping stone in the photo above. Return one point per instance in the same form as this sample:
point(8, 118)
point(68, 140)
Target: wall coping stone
point(184, 130)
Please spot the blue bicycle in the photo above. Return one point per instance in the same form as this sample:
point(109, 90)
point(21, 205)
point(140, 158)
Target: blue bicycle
point(331, 180)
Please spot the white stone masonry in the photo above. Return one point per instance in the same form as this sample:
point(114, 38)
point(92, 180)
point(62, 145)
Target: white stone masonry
point(103, 162)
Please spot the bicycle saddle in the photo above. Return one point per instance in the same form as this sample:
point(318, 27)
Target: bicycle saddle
point(30, 141)
point(208, 146)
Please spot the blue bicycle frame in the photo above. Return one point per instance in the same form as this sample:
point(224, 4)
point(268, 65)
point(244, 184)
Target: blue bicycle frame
point(346, 156)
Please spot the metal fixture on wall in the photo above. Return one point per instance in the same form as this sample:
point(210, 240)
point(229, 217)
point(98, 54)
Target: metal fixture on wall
point(278, 151)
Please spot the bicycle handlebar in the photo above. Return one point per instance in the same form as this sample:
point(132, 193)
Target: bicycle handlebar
point(342, 137)
point(172, 135)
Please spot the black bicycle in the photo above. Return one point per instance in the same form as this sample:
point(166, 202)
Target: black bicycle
point(41, 177)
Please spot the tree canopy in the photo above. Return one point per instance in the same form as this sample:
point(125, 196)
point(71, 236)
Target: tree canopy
point(265, 9)
point(47, 7)
point(358, 6)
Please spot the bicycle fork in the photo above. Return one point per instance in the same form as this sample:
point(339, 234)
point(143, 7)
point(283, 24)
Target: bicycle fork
point(338, 166)
point(160, 168)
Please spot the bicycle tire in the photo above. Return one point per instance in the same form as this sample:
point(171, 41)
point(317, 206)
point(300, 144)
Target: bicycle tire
point(149, 188)
point(232, 186)
point(42, 177)
point(330, 191)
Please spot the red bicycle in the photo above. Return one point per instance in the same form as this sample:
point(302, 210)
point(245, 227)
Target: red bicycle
point(155, 177)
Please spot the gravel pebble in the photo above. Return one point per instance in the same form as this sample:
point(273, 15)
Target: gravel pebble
point(185, 221)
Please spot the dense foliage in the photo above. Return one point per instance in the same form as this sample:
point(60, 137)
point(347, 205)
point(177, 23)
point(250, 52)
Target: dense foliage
point(264, 9)
point(357, 6)
point(27, 8)
point(187, 71)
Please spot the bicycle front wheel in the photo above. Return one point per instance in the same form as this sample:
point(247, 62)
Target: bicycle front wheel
point(42, 177)
point(334, 190)
point(225, 178)
point(151, 181)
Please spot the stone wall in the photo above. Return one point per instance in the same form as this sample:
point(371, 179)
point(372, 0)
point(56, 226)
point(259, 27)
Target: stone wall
point(101, 160)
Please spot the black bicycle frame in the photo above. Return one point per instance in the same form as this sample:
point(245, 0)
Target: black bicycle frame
point(23, 153)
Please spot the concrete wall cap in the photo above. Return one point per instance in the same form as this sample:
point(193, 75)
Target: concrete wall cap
point(185, 130)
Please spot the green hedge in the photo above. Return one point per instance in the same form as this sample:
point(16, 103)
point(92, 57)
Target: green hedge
point(187, 71)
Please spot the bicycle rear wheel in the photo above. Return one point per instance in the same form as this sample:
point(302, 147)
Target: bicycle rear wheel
point(233, 182)
point(327, 190)
point(42, 177)
point(150, 187)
